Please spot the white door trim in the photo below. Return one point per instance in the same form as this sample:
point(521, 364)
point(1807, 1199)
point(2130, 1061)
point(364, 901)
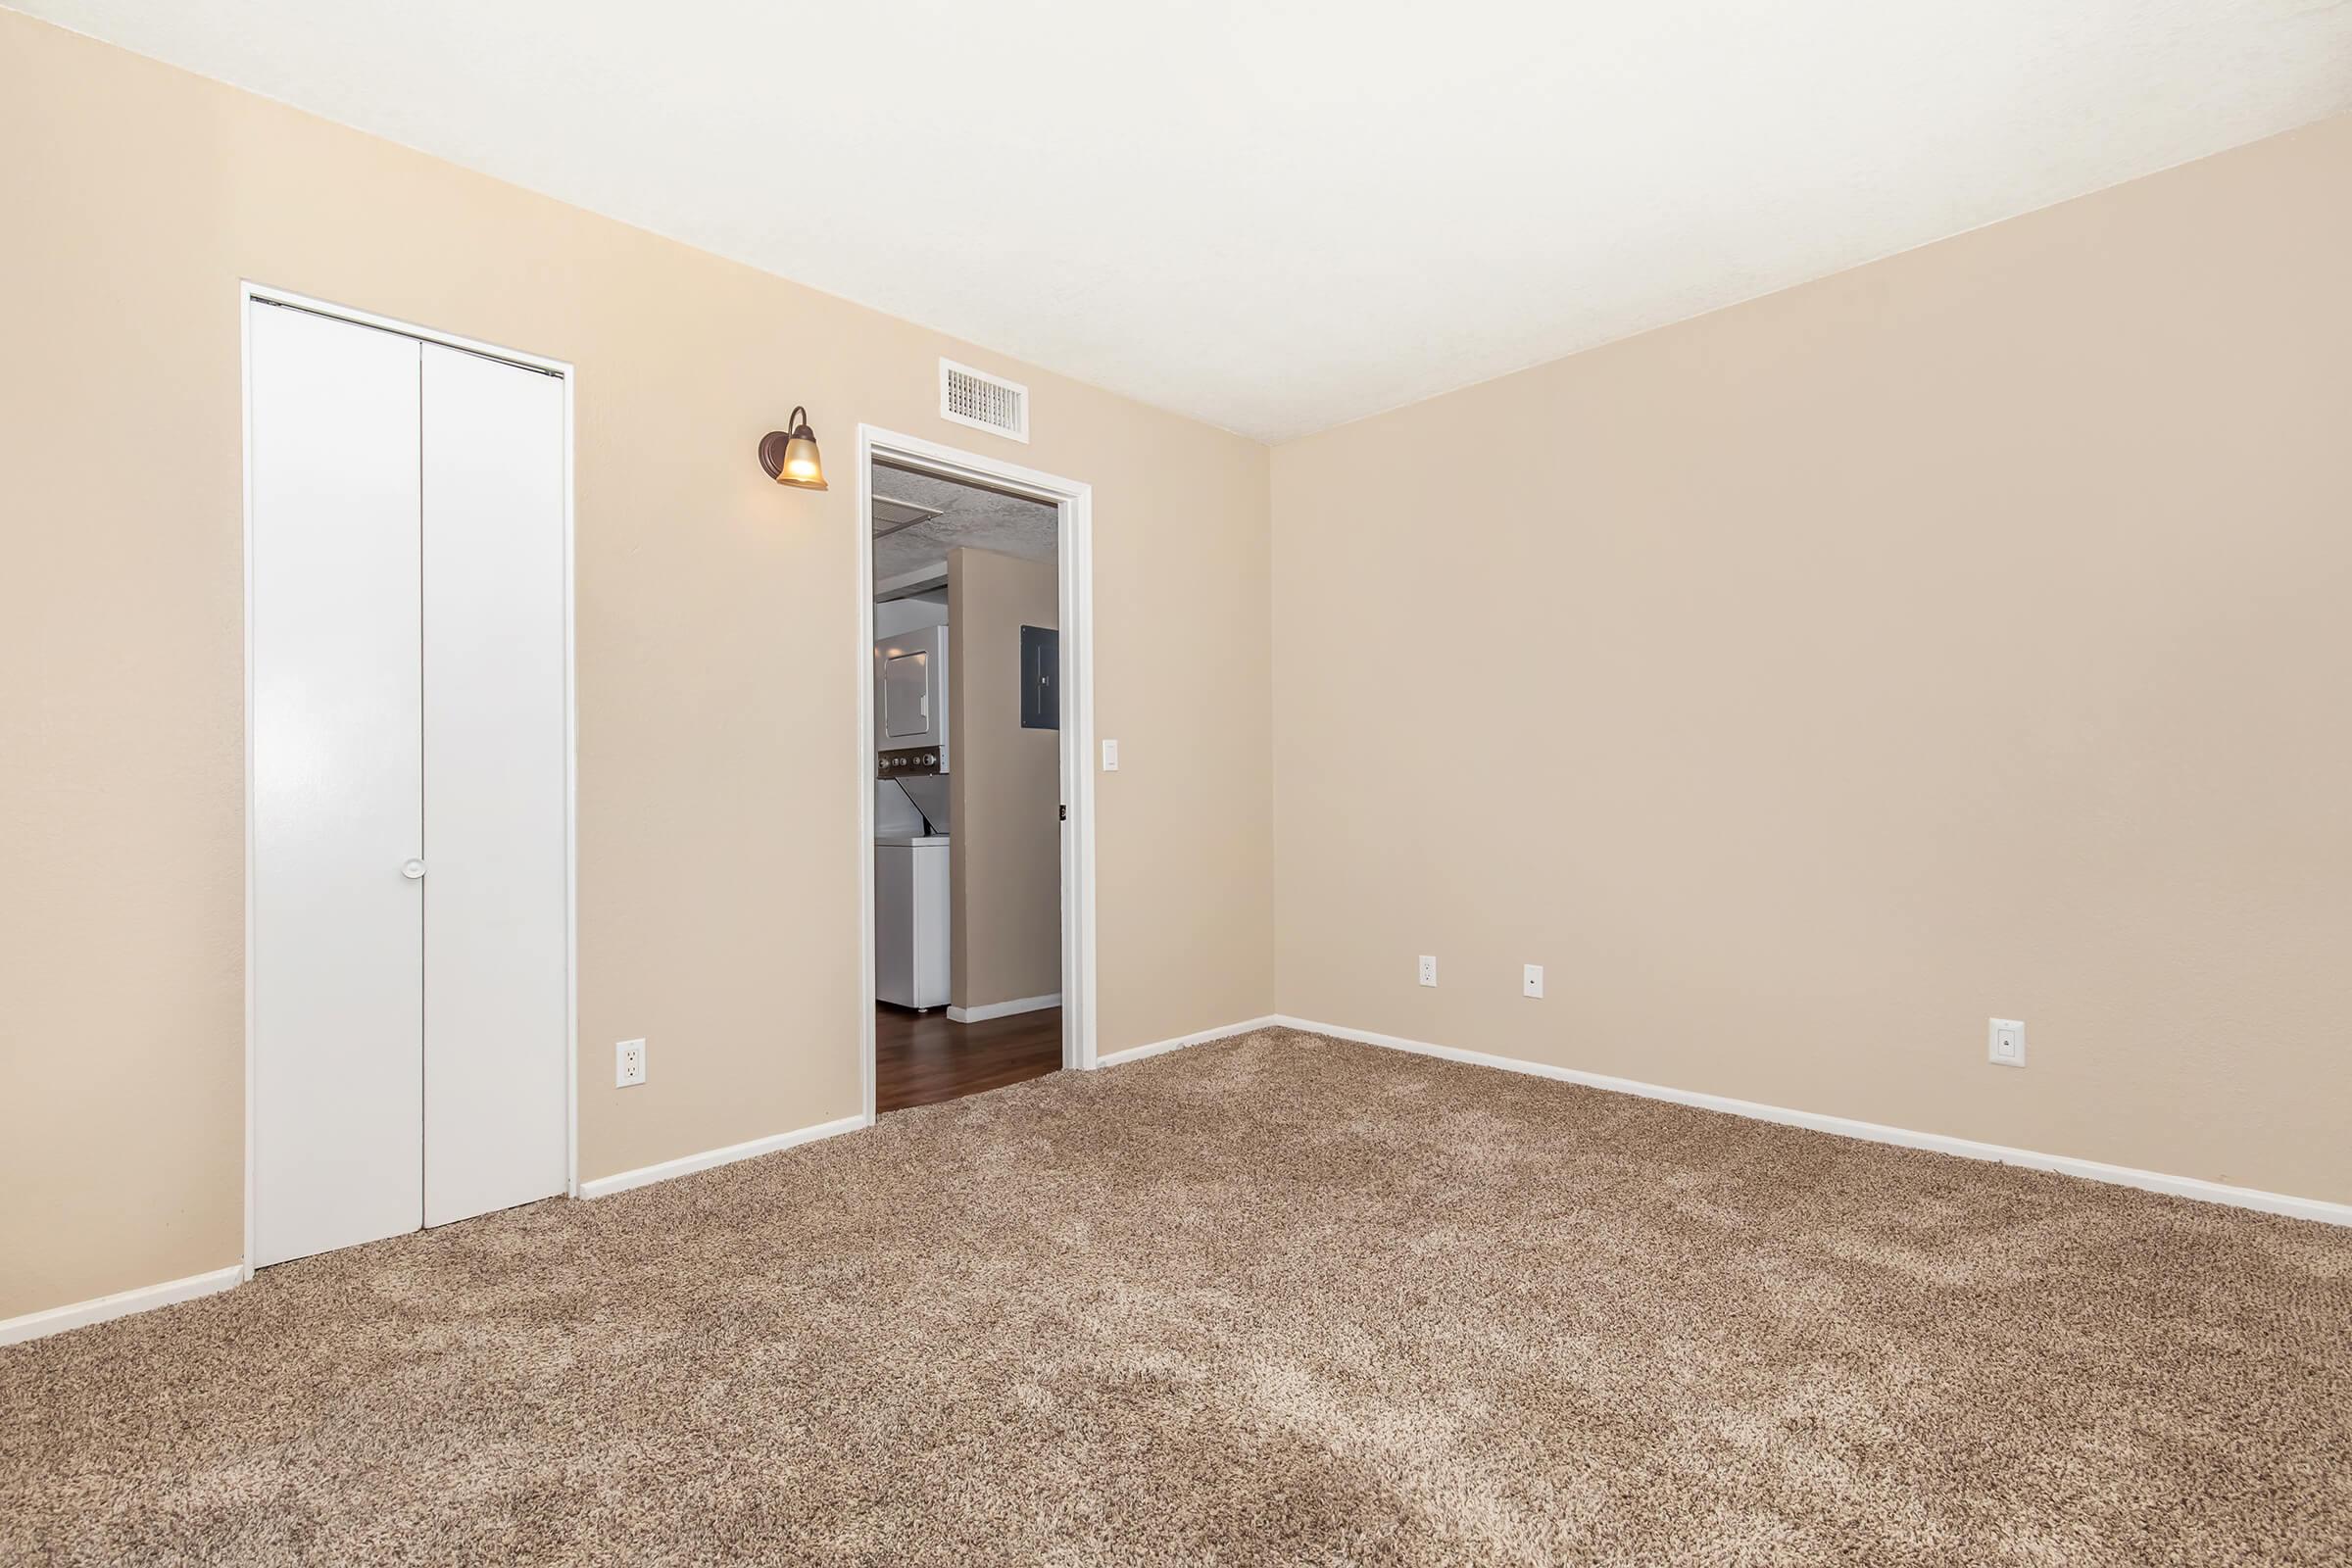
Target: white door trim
point(1075, 502)
point(247, 294)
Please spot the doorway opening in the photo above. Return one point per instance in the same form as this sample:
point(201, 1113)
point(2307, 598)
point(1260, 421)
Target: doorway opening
point(974, 723)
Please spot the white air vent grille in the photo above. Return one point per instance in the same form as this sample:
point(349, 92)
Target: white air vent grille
point(982, 401)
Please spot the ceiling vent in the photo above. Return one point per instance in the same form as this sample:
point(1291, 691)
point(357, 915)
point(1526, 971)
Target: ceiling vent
point(982, 401)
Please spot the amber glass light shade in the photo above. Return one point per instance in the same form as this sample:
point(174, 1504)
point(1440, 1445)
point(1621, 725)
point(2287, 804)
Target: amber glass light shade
point(791, 457)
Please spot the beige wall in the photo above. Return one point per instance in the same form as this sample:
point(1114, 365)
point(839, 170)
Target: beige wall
point(1966, 635)
point(1005, 849)
point(717, 661)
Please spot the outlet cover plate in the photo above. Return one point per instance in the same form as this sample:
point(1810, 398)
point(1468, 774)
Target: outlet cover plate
point(1429, 969)
point(2005, 1043)
point(628, 1063)
point(1531, 981)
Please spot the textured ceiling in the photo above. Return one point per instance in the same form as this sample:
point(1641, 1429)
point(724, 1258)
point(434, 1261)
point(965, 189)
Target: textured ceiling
point(1279, 214)
point(980, 519)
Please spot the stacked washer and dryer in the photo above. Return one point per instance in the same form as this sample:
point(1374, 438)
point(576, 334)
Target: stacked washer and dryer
point(911, 823)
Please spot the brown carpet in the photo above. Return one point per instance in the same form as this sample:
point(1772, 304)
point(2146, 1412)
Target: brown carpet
point(1271, 1301)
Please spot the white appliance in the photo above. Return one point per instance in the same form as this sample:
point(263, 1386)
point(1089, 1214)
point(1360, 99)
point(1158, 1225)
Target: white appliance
point(408, 775)
point(910, 692)
point(910, 892)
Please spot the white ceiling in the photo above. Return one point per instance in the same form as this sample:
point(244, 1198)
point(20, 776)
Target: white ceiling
point(969, 516)
point(1279, 214)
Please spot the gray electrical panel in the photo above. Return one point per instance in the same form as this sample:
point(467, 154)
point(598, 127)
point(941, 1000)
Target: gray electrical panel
point(1041, 678)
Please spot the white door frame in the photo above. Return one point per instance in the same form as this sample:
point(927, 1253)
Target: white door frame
point(249, 293)
point(1074, 555)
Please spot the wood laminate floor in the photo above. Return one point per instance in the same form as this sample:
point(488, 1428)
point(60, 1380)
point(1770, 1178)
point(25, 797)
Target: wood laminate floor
point(923, 1058)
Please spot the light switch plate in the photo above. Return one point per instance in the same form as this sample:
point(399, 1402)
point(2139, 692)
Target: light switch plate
point(1110, 757)
point(2005, 1043)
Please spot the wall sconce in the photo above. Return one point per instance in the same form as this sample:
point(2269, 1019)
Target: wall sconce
point(791, 457)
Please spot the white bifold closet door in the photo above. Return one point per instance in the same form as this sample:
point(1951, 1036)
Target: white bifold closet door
point(409, 783)
point(494, 785)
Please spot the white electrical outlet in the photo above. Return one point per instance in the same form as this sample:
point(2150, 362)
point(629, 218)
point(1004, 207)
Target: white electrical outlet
point(1110, 757)
point(1429, 969)
point(1531, 981)
point(2005, 1043)
point(628, 1063)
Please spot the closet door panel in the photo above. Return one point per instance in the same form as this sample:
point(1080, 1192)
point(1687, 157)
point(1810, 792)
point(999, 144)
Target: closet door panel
point(337, 788)
point(495, 897)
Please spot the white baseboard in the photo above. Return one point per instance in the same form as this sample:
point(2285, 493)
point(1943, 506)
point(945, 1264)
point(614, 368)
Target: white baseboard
point(1157, 1046)
point(647, 1175)
point(2313, 1209)
point(146, 1298)
point(122, 1304)
point(1002, 1009)
point(58, 1319)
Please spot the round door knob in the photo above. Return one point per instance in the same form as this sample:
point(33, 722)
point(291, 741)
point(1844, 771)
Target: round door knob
point(412, 869)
